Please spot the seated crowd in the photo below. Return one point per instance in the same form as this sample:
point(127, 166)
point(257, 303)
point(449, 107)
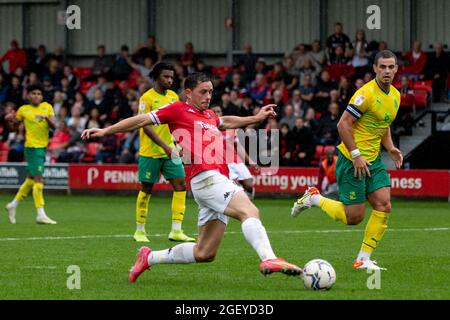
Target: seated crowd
point(310, 85)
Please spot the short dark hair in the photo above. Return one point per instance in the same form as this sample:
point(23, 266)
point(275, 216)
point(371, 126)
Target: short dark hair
point(194, 79)
point(158, 68)
point(385, 54)
point(33, 87)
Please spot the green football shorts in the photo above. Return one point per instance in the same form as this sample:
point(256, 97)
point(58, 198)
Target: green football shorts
point(149, 169)
point(351, 189)
point(35, 158)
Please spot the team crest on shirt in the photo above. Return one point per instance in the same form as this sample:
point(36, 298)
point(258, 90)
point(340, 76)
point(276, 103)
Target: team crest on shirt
point(359, 100)
point(142, 106)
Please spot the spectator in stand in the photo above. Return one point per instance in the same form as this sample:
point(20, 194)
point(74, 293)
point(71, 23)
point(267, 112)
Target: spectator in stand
point(102, 63)
point(247, 107)
point(248, 61)
point(299, 55)
point(180, 75)
point(368, 76)
point(346, 91)
point(374, 48)
point(236, 99)
point(7, 109)
point(101, 84)
point(437, 69)
point(94, 120)
point(40, 62)
point(121, 68)
point(59, 141)
point(189, 58)
point(237, 85)
point(81, 100)
point(54, 72)
point(201, 66)
point(339, 56)
point(49, 89)
point(318, 56)
point(73, 150)
point(151, 49)
point(289, 66)
point(74, 81)
point(296, 102)
point(236, 69)
point(76, 119)
point(311, 122)
point(259, 89)
point(360, 54)
point(277, 73)
point(58, 101)
point(144, 70)
point(327, 184)
point(304, 143)
point(106, 150)
point(15, 91)
point(327, 131)
point(130, 148)
point(308, 69)
point(261, 66)
point(307, 91)
point(287, 144)
point(30, 79)
point(277, 98)
point(3, 88)
point(228, 108)
point(337, 39)
point(100, 104)
point(16, 57)
point(288, 117)
point(322, 94)
point(415, 62)
point(359, 83)
point(404, 120)
point(68, 92)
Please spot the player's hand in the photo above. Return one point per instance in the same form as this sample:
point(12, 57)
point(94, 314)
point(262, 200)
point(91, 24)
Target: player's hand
point(361, 167)
point(397, 157)
point(93, 133)
point(266, 111)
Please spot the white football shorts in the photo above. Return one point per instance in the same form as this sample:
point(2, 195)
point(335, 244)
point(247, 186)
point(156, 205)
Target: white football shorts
point(239, 171)
point(212, 191)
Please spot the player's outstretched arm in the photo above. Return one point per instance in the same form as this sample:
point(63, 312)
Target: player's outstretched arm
point(125, 125)
point(233, 122)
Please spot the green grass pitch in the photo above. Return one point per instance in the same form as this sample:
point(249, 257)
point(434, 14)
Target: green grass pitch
point(95, 233)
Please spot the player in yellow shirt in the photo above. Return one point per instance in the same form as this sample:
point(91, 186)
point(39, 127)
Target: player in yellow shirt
point(38, 118)
point(155, 150)
point(359, 170)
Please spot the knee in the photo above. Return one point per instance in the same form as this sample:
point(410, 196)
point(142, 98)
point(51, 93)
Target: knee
point(384, 206)
point(147, 188)
point(179, 186)
point(355, 217)
point(250, 213)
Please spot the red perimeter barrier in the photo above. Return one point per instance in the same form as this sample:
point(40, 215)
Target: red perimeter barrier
point(417, 183)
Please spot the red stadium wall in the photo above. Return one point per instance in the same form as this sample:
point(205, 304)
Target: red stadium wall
point(415, 183)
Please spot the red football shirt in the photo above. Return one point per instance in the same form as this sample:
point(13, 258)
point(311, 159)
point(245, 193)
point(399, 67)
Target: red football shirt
point(198, 134)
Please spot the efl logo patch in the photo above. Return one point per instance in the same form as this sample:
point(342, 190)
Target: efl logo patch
point(359, 100)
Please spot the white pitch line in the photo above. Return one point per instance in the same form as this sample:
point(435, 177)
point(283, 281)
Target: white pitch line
point(118, 236)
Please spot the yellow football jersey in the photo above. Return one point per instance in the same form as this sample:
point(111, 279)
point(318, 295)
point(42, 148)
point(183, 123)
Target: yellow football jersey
point(152, 100)
point(36, 130)
point(375, 110)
